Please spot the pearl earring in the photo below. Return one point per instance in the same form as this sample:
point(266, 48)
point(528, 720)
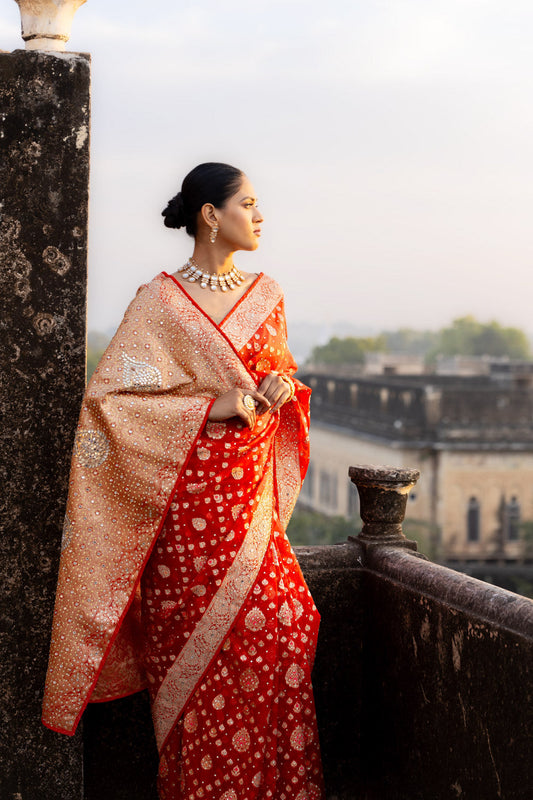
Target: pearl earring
point(213, 234)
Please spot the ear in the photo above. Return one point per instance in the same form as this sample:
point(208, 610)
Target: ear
point(208, 212)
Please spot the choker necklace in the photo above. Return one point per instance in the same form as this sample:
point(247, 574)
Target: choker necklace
point(227, 280)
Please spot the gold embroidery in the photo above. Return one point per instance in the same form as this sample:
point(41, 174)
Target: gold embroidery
point(216, 622)
point(255, 307)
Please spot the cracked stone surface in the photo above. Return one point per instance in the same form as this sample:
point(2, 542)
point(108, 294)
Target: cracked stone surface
point(44, 168)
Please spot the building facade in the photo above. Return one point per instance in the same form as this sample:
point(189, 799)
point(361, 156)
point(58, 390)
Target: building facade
point(471, 439)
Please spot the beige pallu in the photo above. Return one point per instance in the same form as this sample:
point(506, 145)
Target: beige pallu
point(142, 413)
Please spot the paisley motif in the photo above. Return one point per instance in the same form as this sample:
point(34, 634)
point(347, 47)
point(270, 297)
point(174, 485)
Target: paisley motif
point(140, 375)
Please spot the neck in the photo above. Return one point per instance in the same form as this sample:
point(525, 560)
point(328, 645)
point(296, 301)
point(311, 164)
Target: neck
point(213, 259)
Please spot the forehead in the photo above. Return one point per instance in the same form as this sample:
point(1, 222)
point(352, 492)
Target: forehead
point(246, 188)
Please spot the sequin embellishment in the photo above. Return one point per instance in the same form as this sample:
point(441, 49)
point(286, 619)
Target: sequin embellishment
point(138, 375)
point(255, 619)
point(294, 676)
point(91, 448)
point(68, 530)
point(215, 430)
point(298, 738)
point(249, 680)
point(241, 740)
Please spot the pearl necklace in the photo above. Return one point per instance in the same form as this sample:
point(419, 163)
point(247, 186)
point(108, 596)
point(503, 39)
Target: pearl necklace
point(227, 280)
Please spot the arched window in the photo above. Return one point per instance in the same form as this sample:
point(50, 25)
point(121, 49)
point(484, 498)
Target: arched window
point(353, 501)
point(472, 520)
point(308, 484)
point(513, 520)
point(327, 490)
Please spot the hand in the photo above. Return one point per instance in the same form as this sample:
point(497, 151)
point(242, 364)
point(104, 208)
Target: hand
point(276, 390)
point(231, 404)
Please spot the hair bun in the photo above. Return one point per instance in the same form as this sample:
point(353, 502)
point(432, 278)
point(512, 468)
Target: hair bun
point(174, 213)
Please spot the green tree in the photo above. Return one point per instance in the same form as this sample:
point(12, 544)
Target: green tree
point(312, 527)
point(350, 350)
point(410, 341)
point(466, 336)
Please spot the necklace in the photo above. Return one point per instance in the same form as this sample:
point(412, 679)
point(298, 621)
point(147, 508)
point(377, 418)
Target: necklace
point(227, 280)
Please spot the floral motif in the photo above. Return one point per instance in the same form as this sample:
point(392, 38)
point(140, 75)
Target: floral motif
point(91, 447)
point(241, 740)
point(255, 619)
point(294, 676)
point(298, 738)
point(249, 680)
point(216, 430)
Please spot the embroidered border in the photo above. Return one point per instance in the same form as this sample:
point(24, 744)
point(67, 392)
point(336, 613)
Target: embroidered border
point(192, 662)
point(251, 312)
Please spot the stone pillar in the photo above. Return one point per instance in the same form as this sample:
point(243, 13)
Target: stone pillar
point(383, 493)
point(44, 170)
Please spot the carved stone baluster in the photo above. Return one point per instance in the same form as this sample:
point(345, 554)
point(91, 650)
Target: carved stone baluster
point(383, 493)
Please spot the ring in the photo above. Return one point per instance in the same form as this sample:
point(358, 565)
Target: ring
point(249, 402)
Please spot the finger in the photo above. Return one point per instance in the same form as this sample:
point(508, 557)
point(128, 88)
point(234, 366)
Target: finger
point(248, 417)
point(263, 403)
point(270, 382)
point(281, 399)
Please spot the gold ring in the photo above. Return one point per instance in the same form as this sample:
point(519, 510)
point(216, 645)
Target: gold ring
point(249, 402)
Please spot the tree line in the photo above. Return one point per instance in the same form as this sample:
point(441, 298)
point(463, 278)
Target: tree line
point(466, 336)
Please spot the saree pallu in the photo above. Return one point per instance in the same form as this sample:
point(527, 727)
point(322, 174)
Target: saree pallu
point(226, 634)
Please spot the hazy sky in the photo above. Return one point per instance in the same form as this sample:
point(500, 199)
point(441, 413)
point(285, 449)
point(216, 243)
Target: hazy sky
point(389, 141)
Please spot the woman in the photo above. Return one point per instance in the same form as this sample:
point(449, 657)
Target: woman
point(176, 573)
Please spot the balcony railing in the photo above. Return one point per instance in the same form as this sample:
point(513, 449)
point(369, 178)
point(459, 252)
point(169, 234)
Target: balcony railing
point(423, 677)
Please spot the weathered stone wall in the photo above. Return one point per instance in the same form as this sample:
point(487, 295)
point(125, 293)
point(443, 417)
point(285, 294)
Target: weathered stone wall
point(448, 679)
point(44, 169)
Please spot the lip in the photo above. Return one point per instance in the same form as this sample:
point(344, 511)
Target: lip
point(257, 231)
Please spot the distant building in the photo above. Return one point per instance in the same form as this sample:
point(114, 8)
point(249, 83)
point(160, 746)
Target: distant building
point(471, 438)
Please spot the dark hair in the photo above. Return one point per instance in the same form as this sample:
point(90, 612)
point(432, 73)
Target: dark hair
point(207, 183)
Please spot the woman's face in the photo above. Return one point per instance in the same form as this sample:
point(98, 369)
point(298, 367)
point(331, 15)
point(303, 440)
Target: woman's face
point(240, 220)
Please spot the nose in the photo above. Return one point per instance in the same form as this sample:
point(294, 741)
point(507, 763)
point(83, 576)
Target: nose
point(258, 217)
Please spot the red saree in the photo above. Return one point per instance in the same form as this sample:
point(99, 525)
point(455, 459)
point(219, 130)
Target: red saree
point(191, 515)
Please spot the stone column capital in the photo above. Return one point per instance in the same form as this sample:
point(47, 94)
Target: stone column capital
point(46, 24)
point(383, 493)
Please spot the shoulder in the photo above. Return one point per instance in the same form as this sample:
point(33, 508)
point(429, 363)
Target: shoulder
point(269, 285)
point(151, 291)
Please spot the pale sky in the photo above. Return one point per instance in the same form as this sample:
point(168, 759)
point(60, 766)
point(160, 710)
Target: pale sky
point(389, 141)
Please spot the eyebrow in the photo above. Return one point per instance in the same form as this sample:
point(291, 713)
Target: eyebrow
point(248, 197)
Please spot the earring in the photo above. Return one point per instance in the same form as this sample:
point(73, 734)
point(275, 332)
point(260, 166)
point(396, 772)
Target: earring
point(213, 234)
